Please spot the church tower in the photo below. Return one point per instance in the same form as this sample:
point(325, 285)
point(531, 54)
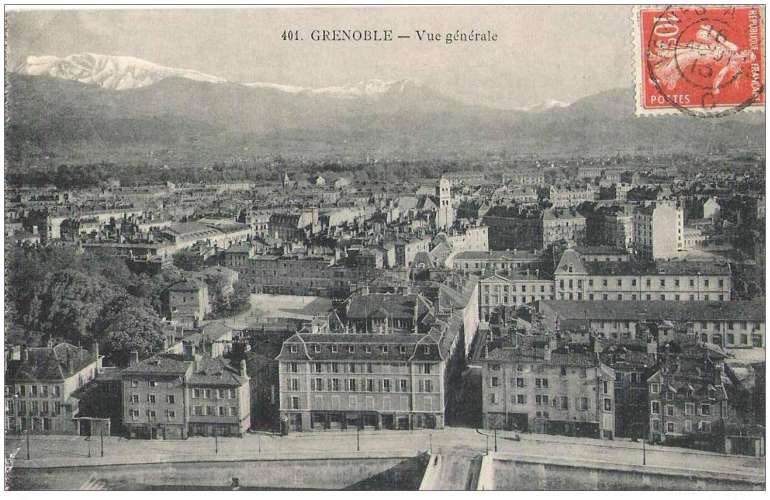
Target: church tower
point(445, 217)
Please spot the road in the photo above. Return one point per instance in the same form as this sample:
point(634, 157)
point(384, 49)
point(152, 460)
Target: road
point(456, 446)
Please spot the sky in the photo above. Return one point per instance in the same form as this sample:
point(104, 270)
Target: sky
point(542, 52)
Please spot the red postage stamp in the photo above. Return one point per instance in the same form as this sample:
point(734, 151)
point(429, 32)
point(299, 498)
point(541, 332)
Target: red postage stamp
point(699, 60)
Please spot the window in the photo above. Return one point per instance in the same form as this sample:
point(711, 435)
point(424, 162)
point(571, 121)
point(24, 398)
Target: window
point(134, 383)
point(318, 367)
point(33, 391)
point(606, 387)
point(316, 348)
point(403, 385)
point(198, 411)
point(351, 348)
point(293, 367)
point(317, 384)
point(368, 349)
point(519, 382)
point(564, 403)
point(151, 414)
point(352, 368)
point(705, 409)
point(655, 407)
point(655, 388)
point(669, 410)
point(295, 402)
point(426, 349)
point(385, 349)
point(670, 427)
point(705, 426)
point(222, 411)
point(352, 384)
point(170, 399)
point(294, 384)
point(293, 348)
point(521, 399)
point(493, 398)
point(583, 404)
point(335, 368)
point(196, 393)
point(563, 371)
point(151, 399)
point(170, 414)
point(495, 382)
point(689, 409)
point(688, 425)
point(135, 398)
point(607, 404)
point(232, 393)
point(152, 383)
point(427, 369)
point(334, 348)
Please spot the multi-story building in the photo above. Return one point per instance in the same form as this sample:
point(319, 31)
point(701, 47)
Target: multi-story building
point(658, 231)
point(407, 249)
point(498, 261)
point(563, 225)
point(40, 383)
point(617, 227)
point(530, 384)
point(510, 229)
point(534, 177)
point(687, 396)
point(730, 325)
point(572, 196)
point(602, 254)
point(513, 290)
point(188, 302)
point(632, 369)
point(295, 275)
point(174, 396)
point(677, 280)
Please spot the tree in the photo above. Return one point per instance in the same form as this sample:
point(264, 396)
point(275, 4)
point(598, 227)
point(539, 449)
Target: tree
point(188, 260)
point(135, 328)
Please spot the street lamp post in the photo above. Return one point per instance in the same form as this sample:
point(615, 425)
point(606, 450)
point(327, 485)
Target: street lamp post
point(27, 444)
point(358, 438)
point(216, 442)
point(430, 442)
point(495, 440)
point(101, 437)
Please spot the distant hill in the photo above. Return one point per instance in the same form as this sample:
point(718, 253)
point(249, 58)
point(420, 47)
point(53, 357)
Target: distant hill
point(54, 119)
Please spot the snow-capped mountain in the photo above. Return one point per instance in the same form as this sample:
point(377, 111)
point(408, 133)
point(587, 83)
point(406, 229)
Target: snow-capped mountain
point(366, 88)
point(111, 72)
point(544, 106)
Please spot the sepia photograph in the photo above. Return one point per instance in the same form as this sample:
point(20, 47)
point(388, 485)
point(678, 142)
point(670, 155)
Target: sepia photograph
point(384, 248)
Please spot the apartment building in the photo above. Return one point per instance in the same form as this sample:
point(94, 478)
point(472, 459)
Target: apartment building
point(562, 224)
point(676, 280)
point(730, 325)
point(41, 385)
point(512, 290)
point(407, 250)
point(339, 381)
point(530, 384)
point(498, 261)
point(572, 196)
point(658, 231)
point(174, 396)
point(687, 396)
point(294, 275)
point(188, 302)
point(632, 369)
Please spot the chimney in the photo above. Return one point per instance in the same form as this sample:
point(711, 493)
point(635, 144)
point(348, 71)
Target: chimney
point(70, 364)
point(24, 354)
point(416, 302)
point(133, 358)
point(95, 349)
point(244, 373)
point(597, 344)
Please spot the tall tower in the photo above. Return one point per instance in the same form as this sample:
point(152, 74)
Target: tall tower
point(446, 216)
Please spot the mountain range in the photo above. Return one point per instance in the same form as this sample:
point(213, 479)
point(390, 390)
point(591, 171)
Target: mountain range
point(90, 107)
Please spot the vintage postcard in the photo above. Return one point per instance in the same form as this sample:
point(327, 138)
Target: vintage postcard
point(393, 248)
